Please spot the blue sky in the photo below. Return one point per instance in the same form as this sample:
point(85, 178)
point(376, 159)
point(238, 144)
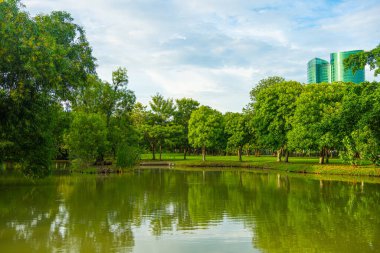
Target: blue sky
point(216, 51)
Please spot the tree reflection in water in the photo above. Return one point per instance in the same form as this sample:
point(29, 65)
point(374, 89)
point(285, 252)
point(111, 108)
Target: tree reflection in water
point(105, 213)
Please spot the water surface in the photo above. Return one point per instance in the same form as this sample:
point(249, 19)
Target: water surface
point(160, 210)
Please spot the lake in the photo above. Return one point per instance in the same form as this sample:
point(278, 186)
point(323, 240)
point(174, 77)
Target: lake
point(165, 210)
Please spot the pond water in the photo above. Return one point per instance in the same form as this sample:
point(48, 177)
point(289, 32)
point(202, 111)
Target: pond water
point(162, 210)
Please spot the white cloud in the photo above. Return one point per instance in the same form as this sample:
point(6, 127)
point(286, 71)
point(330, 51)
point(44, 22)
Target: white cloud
point(215, 51)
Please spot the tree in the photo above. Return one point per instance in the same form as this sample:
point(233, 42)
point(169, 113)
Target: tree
point(360, 122)
point(160, 129)
point(274, 107)
point(162, 109)
point(115, 101)
point(185, 107)
point(317, 119)
point(45, 60)
point(235, 128)
point(148, 131)
point(360, 60)
point(252, 140)
point(263, 84)
point(205, 128)
point(87, 138)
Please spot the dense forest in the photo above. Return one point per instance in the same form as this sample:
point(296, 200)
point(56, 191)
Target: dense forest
point(53, 106)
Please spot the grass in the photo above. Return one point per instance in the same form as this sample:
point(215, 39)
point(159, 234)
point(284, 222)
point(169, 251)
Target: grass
point(296, 164)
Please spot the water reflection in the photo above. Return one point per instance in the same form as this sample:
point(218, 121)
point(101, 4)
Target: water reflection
point(172, 211)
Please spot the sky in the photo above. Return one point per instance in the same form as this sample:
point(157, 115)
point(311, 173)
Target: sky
point(215, 51)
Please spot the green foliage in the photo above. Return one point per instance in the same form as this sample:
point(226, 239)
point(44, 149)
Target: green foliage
point(108, 99)
point(116, 102)
point(236, 130)
point(162, 109)
point(360, 119)
point(185, 107)
point(45, 53)
point(361, 146)
point(45, 59)
point(350, 154)
point(316, 121)
point(127, 156)
point(361, 59)
point(87, 138)
point(205, 128)
point(274, 108)
point(263, 84)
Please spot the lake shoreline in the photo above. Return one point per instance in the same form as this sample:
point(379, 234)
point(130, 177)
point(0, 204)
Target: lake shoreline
point(290, 167)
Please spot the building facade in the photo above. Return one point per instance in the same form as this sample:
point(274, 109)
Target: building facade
point(319, 70)
point(339, 73)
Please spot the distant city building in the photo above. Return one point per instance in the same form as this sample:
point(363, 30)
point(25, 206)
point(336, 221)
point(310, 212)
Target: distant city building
point(338, 73)
point(319, 70)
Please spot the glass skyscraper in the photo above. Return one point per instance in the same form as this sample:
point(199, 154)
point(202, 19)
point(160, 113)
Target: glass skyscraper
point(339, 73)
point(318, 71)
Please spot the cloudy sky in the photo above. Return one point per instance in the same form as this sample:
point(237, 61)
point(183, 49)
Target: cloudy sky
point(216, 51)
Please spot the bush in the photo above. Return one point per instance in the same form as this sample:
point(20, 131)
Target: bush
point(127, 156)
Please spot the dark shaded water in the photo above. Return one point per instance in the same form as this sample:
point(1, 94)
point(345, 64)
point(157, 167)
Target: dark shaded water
point(189, 211)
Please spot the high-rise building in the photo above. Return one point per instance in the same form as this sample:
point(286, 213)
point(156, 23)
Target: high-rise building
point(318, 71)
point(339, 73)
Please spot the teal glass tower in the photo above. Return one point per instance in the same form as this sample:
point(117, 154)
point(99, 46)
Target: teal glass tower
point(339, 73)
point(318, 71)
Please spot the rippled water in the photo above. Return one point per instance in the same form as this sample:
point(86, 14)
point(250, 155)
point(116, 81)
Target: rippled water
point(157, 210)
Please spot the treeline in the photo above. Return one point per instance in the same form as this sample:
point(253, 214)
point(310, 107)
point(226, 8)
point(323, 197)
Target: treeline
point(283, 117)
point(329, 118)
point(54, 106)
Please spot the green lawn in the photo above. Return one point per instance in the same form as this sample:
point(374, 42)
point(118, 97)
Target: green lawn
point(296, 164)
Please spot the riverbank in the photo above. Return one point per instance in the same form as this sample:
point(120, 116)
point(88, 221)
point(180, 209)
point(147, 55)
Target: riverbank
point(308, 165)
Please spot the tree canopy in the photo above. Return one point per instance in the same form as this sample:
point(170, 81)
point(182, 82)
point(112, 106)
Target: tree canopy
point(360, 60)
point(205, 128)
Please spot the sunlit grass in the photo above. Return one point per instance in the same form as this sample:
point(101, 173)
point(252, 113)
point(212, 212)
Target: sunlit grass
point(295, 164)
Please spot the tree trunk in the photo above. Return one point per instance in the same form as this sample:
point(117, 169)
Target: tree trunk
point(327, 155)
point(322, 156)
point(286, 156)
point(203, 153)
point(239, 153)
point(184, 153)
point(279, 155)
point(160, 151)
point(154, 151)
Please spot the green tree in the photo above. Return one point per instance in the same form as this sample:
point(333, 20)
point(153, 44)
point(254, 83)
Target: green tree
point(263, 84)
point(317, 119)
point(45, 59)
point(274, 107)
point(160, 129)
point(360, 122)
point(205, 128)
point(115, 101)
point(61, 124)
point(235, 129)
point(162, 109)
point(360, 60)
point(143, 121)
point(185, 107)
point(87, 138)
point(252, 140)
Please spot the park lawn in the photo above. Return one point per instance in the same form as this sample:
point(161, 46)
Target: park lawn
point(296, 164)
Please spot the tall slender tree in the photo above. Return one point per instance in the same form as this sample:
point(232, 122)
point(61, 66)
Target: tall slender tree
point(185, 107)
